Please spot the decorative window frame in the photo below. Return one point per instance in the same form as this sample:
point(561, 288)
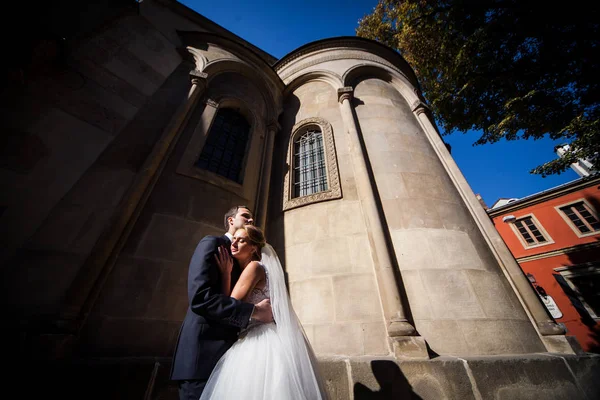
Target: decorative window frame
point(333, 176)
point(572, 271)
point(537, 225)
point(570, 223)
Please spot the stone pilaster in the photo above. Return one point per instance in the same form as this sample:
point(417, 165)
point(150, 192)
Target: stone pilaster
point(262, 196)
point(404, 339)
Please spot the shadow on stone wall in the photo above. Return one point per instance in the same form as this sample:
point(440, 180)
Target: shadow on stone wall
point(392, 382)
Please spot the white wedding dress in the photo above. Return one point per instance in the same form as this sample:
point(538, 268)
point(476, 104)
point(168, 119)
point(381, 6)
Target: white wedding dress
point(271, 361)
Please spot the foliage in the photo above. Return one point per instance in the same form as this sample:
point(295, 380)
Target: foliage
point(511, 69)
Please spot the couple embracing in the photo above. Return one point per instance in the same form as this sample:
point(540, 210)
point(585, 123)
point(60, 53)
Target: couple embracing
point(241, 338)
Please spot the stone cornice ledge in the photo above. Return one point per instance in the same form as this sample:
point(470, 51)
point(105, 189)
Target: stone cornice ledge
point(352, 43)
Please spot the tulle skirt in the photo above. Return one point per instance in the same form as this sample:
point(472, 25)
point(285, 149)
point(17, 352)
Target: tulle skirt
point(257, 367)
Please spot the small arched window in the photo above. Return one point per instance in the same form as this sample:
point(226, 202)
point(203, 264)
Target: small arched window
point(225, 147)
point(313, 172)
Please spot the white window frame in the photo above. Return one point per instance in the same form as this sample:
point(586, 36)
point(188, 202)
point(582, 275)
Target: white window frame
point(571, 224)
point(577, 271)
point(538, 225)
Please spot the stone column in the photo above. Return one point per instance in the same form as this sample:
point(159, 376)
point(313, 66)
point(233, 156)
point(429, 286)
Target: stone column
point(262, 196)
point(405, 341)
point(550, 332)
point(88, 283)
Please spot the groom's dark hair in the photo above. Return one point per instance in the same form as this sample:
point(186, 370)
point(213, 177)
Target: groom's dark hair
point(231, 213)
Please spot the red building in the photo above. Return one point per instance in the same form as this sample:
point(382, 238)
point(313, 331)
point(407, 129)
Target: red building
point(555, 237)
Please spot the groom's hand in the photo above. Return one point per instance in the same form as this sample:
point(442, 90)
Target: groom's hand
point(262, 311)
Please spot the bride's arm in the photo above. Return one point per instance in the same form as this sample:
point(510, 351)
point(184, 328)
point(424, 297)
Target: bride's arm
point(251, 275)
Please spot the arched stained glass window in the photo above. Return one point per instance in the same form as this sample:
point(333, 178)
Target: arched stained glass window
point(225, 147)
point(310, 171)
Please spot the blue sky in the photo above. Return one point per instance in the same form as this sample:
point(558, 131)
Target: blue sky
point(279, 27)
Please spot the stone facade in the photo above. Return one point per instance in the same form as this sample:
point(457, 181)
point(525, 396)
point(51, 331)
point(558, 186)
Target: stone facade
point(395, 272)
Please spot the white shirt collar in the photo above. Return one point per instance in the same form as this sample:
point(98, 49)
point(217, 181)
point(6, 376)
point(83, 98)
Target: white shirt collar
point(230, 236)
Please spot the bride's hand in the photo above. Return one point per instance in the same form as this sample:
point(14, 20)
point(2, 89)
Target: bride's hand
point(224, 260)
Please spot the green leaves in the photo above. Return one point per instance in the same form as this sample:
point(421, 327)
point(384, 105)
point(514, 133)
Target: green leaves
point(509, 69)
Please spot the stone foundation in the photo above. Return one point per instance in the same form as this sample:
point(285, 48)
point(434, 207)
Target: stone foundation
point(531, 376)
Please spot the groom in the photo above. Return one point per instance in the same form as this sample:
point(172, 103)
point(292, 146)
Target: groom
point(213, 320)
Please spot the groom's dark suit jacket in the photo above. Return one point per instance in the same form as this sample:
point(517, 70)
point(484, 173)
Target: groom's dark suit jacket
point(213, 320)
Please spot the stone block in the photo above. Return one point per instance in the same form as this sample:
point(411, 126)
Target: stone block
point(559, 344)
point(442, 378)
point(345, 218)
point(409, 348)
point(349, 189)
point(75, 83)
point(359, 252)
point(147, 44)
point(356, 298)
point(390, 186)
point(586, 370)
point(494, 295)
point(424, 185)
point(208, 203)
point(410, 140)
point(61, 228)
point(454, 250)
point(125, 337)
point(130, 288)
point(131, 68)
point(376, 142)
point(417, 295)
point(313, 300)
point(335, 376)
point(428, 163)
point(107, 80)
point(451, 295)
point(375, 339)
point(172, 238)
point(455, 216)
point(341, 140)
point(85, 100)
point(491, 337)
point(338, 339)
point(528, 336)
point(169, 300)
point(393, 162)
point(526, 377)
point(428, 380)
point(298, 231)
point(101, 185)
point(411, 213)
point(413, 249)
point(444, 337)
point(297, 258)
point(328, 256)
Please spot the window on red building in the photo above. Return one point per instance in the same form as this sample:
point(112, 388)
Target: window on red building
point(582, 284)
point(529, 231)
point(581, 217)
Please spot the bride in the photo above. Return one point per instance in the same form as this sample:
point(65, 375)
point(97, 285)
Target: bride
point(272, 361)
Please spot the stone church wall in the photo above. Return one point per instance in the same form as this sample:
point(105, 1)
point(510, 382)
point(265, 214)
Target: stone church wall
point(80, 131)
point(325, 245)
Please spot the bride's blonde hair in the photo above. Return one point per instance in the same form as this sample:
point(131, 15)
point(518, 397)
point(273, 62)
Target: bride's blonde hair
point(256, 237)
